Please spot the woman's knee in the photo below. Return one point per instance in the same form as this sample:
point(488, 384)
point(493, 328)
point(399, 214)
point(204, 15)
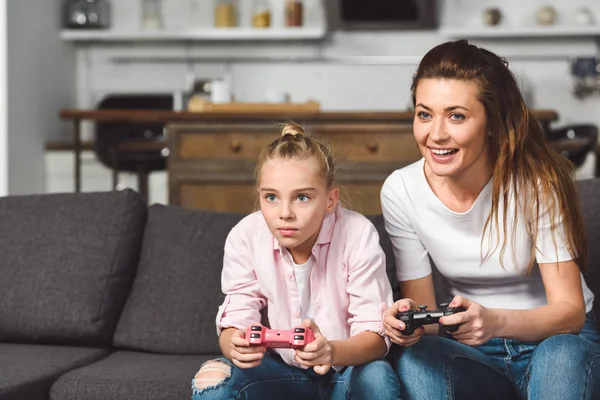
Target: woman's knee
point(211, 375)
point(562, 351)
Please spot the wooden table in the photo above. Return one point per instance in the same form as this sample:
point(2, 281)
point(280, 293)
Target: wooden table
point(167, 117)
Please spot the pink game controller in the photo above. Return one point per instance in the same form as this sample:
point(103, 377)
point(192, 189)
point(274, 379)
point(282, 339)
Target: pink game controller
point(281, 339)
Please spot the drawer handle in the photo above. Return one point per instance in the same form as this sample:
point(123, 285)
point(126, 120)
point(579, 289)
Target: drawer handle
point(236, 146)
point(372, 147)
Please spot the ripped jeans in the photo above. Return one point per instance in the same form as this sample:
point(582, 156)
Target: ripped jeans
point(274, 379)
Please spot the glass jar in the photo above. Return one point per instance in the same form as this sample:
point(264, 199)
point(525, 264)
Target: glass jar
point(225, 13)
point(294, 12)
point(152, 14)
point(261, 14)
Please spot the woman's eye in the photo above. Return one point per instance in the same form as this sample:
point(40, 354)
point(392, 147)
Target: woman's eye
point(423, 115)
point(270, 197)
point(302, 198)
point(457, 117)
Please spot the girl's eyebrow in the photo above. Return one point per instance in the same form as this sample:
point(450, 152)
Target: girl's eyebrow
point(307, 189)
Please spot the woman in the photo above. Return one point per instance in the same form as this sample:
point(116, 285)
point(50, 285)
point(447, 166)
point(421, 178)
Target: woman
point(496, 211)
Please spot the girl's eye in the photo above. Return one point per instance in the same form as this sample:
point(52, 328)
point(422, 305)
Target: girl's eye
point(303, 198)
point(270, 197)
point(423, 115)
point(457, 117)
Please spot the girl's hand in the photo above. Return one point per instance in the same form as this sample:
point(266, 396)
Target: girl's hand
point(393, 326)
point(318, 353)
point(243, 354)
point(477, 324)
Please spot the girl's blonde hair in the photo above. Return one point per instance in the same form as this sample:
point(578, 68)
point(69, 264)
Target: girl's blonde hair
point(295, 144)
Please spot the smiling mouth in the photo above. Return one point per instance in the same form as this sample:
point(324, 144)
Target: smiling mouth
point(443, 152)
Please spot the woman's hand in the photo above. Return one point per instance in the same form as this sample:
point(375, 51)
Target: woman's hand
point(393, 326)
point(318, 353)
point(477, 324)
point(242, 353)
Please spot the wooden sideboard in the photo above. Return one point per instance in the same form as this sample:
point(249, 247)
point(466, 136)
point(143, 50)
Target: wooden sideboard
point(212, 155)
point(212, 166)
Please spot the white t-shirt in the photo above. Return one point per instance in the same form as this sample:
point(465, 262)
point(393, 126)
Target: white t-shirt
point(420, 225)
point(302, 273)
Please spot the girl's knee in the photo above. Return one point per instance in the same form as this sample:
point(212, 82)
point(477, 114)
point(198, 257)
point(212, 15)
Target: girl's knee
point(211, 375)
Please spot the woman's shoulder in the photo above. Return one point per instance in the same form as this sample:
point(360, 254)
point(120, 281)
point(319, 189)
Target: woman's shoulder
point(404, 182)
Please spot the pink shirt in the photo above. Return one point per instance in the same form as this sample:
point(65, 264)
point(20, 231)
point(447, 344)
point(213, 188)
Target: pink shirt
point(349, 286)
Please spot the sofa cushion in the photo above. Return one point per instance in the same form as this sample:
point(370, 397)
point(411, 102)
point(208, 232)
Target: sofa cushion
point(131, 376)
point(589, 197)
point(177, 290)
point(386, 245)
point(67, 263)
point(27, 371)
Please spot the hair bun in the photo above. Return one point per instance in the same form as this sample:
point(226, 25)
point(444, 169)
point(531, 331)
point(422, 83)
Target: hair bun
point(292, 129)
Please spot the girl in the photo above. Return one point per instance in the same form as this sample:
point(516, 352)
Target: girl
point(496, 211)
point(310, 262)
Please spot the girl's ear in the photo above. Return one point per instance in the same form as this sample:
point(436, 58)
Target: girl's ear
point(333, 198)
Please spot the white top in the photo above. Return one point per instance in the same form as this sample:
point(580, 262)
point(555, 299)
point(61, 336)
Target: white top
point(420, 225)
point(302, 273)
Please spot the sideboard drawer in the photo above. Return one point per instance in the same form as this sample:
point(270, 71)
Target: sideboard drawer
point(356, 145)
point(224, 146)
point(373, 147)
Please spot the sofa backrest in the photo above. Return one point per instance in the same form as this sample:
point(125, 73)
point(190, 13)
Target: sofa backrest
point(67, 262)
point(589, 197)
point(177, 291)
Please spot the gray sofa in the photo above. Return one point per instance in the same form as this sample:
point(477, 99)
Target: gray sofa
point(102, 297)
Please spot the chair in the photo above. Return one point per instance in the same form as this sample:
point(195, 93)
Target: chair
point(132, 147)
point(574, 141)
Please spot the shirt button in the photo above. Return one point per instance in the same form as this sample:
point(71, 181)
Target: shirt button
point(291, 277)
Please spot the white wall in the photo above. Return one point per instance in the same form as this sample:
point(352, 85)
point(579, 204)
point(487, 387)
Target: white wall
point(3, 104)
point(40, 81)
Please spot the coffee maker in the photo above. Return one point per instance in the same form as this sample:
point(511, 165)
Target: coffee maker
point(86, 14)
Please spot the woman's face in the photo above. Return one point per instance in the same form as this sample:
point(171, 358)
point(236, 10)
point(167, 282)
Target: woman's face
point(450, 127)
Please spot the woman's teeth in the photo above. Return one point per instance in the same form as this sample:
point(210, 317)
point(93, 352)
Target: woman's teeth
point(443, 152)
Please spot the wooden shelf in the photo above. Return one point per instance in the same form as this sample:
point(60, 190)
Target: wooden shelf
point(207, 34)
point(499, 32)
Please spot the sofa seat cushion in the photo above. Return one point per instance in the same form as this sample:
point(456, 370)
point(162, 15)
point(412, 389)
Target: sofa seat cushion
point(128, 375)
point(28, 371)
point(67, 264)
point(177, 289)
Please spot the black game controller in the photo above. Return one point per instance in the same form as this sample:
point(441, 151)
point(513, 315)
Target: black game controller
point(414, 319)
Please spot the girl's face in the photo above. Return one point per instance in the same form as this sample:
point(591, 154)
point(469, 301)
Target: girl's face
point(294, 199)
point(450, 127)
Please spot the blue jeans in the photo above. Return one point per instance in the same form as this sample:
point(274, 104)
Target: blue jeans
point(274, 379)
point(560, 367)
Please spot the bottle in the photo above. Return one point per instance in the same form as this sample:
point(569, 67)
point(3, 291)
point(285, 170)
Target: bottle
point(261, 14)
point(294, 10)
point(225, 14)
point(152, 14)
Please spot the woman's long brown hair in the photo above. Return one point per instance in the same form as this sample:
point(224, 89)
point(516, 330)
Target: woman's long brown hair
point(540, 178)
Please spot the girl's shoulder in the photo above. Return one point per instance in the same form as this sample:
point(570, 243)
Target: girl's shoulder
point(249, 226)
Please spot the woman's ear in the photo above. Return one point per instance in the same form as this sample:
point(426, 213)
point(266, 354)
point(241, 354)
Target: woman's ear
point(333, 198)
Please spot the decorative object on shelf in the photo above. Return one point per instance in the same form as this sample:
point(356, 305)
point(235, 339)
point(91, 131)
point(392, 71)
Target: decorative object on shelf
point(86, 14)
point(200, 105)
point(584, 17)
point(546, 15)
point(294, 13)
point(152, 14)
point(225, 14)
point(261, 14)
point(586, 72)
point(492, 16)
